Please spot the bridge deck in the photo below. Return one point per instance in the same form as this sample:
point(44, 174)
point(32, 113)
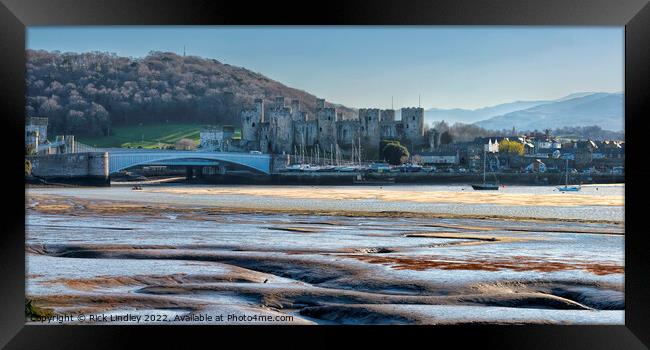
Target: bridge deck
point(121, 158)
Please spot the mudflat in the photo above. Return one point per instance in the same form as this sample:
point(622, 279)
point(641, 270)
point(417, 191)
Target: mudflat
point(114, 252)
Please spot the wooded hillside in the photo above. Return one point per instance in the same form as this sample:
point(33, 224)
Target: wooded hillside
point(87, 93)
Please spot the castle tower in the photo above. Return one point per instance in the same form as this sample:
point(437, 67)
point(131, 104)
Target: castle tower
point(296, 114)
point(281, 128)
point(369, 119)
point(413, 124)
point(70, 144)
point(388, 115)
point(434, 139)
point(279, 102)
point(387, 125)
point(326, 118)
point(251, 120)
point(31, 140)
point(35, 131)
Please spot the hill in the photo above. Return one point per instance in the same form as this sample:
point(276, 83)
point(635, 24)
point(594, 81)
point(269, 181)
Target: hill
point(605, 110)
point(91, 93)
point(459, 115)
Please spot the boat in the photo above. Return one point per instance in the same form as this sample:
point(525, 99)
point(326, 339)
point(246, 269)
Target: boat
point(485, 186)
point(292, 168)
point(309, 168)
point(345, 169)
point(326, 168)
point(569, 188)
point(566, 187)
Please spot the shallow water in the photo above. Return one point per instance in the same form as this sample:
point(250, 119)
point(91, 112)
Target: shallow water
point(318, 268)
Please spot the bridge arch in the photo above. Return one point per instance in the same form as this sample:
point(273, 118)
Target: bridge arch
point(124, 159)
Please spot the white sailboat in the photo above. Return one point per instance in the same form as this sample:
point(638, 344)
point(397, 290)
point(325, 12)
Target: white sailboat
point(566, 187)
point(485, 186)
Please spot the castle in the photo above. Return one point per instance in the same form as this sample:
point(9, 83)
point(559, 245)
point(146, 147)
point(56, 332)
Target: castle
point(284, 129)
point(35, 132)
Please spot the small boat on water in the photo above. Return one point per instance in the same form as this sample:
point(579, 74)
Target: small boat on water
point(485, 186)
point(569, 188)
point(566, 187)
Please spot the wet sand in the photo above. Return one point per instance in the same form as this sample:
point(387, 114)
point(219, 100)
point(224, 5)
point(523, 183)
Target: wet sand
point(86, 254)
point(391, 195)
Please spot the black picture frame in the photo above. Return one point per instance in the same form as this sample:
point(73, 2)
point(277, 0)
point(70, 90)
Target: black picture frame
point(15, 15)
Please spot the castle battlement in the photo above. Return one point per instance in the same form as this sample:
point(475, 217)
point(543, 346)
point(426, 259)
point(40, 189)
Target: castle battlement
point(288, 128)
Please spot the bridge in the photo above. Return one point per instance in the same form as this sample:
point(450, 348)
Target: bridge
point(123, 158)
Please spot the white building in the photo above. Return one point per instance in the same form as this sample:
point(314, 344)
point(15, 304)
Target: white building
point(212, 139)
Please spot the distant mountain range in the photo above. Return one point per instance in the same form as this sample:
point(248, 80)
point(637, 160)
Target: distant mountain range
point(577, 109)
point(469, 116)
point(603, 109)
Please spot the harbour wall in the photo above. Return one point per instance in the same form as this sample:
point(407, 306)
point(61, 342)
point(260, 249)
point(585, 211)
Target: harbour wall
point(89, 168)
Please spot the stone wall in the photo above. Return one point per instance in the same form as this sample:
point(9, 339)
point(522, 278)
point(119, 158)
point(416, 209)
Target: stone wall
point(211, 139)
point(84, 168)
point(305, 133)
point(348, 132)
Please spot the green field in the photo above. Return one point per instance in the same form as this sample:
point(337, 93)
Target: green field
point(146, 136)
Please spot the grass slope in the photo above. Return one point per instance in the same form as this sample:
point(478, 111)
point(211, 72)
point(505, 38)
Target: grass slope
point(145, 136)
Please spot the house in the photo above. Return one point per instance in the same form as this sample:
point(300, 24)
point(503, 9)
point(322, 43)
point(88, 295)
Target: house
point(584, 151)
point(440, 157)
point(610, 149)
point(537, 166)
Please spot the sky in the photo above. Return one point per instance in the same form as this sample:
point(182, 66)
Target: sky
point(431, 66)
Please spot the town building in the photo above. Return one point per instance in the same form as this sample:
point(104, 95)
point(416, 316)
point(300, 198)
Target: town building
point(440, 158)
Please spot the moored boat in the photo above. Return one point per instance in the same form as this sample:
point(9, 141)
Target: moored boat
point(566, 187)
point(569, 188)
point(485, 186)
